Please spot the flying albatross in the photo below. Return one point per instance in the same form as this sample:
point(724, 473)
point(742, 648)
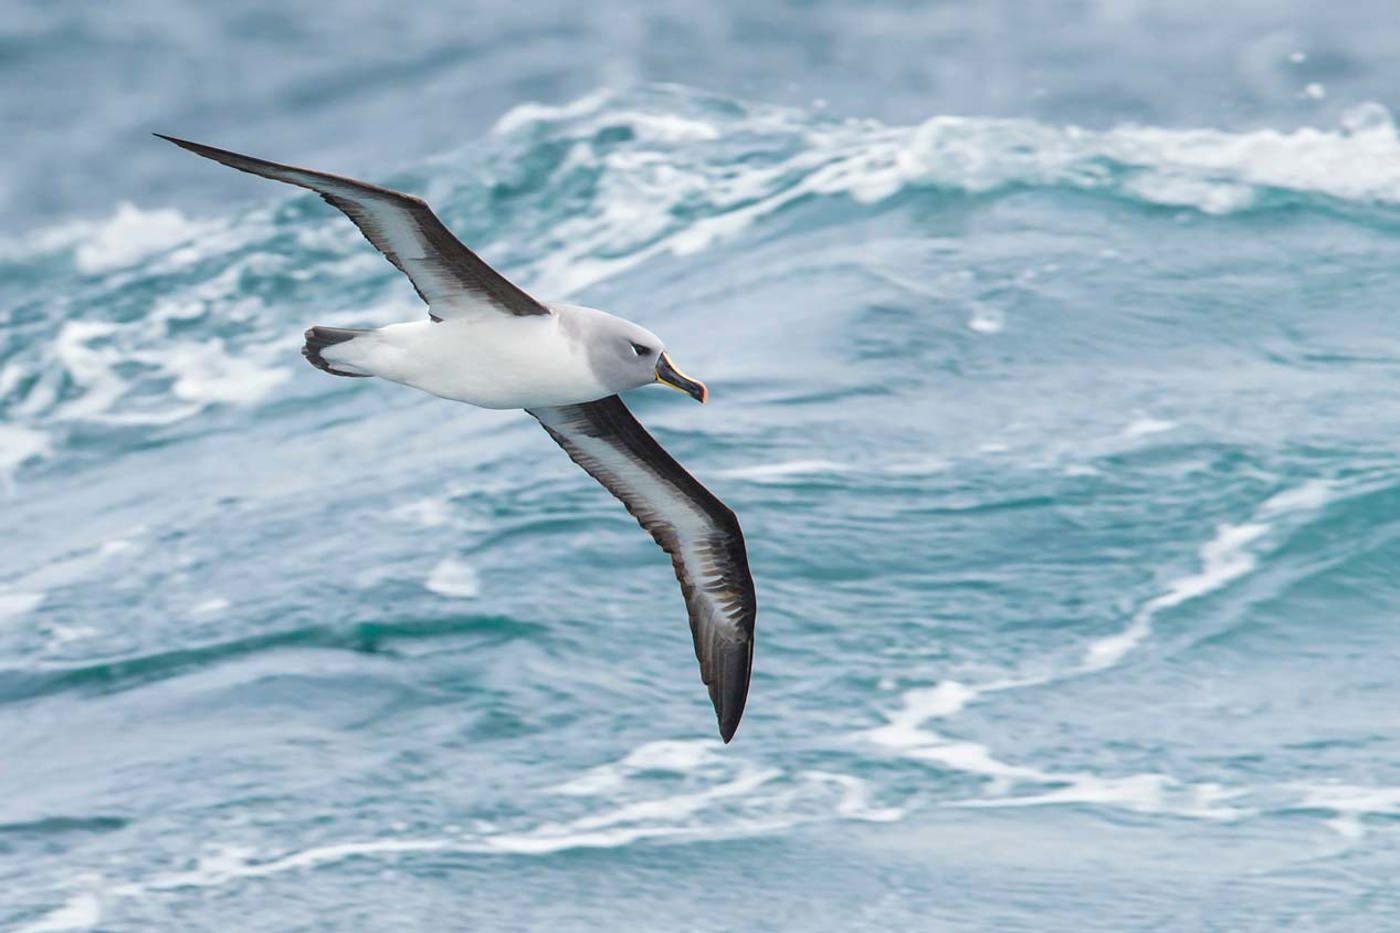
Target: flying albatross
point(488, 343)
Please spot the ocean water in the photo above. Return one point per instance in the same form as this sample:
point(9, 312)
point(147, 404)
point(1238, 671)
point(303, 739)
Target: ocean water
point(1055, 378)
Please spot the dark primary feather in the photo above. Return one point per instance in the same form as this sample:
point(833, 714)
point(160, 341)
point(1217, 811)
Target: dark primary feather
point(400, 226)
point(699, 531)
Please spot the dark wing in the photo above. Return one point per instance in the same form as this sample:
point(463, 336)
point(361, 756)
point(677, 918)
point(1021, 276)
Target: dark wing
point(452, 279)
point(699, 532)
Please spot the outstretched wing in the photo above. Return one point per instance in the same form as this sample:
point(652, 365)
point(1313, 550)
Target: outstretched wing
point(699, 532)
point(452, 279)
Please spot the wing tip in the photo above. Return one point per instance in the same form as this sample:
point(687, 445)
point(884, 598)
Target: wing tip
point(209, 152)
point(731, 694)
point(729, 712)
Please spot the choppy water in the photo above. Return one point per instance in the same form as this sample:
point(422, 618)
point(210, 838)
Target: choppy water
point(1067, 460)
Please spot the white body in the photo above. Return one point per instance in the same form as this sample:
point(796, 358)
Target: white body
point(492, 360)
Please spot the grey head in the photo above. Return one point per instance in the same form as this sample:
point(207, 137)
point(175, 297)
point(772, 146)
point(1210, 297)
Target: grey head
point(624, 355)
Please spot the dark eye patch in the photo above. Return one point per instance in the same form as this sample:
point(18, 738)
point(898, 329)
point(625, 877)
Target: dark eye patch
point(640, 350)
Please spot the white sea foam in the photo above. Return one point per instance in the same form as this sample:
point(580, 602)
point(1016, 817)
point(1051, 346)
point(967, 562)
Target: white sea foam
point(923, 467)
point(453, 578)
point(688, 816)
point(721, 797)
point(675, 187)
point(1314, 494)
point(902, 729)
point(1145, 426)
point(786, 469)
point(680, 756)
point(1205, 195)
point(1223, 558)
point(1349, 804)
point(780, 800)
point(15, 603)
point(662, 810)
point(761, 472)
point(634, 214)
point(526, 115)
point(106, 361)
point(671, 755)
point(1139, 793)
point(205, 372)
point(985, 320)
point(675, 817)
point(90, 363)
point(666, 127)
point(855, 803)
point(137, 371)
point(1017, 785)
point(80, 912)
point(232, 863)
point(552, 841)
point(711, 777)
point(907, 735)
point(60, 635)
point(19, 445)
point(131, 235)
point(429, 513)
point(27, 591)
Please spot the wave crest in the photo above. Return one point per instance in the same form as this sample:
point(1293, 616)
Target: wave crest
point(161, 317)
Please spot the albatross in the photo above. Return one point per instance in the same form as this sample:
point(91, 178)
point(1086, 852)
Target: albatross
point(488, 343)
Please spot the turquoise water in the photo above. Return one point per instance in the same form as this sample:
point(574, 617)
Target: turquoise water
point(1066, 458)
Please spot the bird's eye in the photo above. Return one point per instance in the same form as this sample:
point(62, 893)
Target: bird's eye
point(640, 350)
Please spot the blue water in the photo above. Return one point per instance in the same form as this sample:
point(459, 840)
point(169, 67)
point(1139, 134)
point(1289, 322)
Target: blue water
point(1055, 377)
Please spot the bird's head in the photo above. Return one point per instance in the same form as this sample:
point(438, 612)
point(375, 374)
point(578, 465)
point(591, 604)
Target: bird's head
point(628, 356)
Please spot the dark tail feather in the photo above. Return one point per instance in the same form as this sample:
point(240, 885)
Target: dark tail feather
point(318, 338)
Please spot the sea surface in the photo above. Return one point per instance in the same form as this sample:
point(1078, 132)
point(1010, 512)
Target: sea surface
point(1055, 377)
